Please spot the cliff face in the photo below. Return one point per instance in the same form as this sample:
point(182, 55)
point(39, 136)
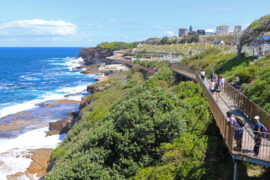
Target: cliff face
point(94, 55)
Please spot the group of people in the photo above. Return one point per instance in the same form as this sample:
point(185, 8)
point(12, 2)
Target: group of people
point(216, 85)
point(259, 133)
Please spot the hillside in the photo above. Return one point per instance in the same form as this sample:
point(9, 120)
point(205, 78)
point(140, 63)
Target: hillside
point(145, 129)
point(248, 72)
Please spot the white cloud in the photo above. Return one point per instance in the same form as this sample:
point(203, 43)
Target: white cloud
point(170, 33)
point(37, 27)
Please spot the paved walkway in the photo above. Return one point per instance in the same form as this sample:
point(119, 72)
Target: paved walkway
point(226, 104)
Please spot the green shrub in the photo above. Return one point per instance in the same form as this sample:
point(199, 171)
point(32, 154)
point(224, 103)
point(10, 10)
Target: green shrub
point(165, 74)
point(247, 74)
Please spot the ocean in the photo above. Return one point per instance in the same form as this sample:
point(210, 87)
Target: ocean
point(30, 77)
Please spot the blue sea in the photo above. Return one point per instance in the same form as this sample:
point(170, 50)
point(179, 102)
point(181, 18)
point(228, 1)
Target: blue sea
point(29, 79)
point(29, 76)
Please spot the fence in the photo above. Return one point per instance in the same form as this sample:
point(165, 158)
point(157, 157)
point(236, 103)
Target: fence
point(221, 120)
point(247, 106)
point(248, 140)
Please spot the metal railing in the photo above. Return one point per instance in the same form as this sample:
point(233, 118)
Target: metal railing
point(249, 141)
point(256, 147)
point(247, 106)
point(221, 120)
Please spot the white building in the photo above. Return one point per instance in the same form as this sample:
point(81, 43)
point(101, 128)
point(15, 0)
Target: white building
point(223, 29)
point(237, 29)
point(182, 32)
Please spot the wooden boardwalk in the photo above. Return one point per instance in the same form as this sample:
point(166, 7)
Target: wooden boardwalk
point(224, 104)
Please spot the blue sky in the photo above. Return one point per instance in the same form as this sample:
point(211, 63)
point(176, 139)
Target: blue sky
point(86, 23)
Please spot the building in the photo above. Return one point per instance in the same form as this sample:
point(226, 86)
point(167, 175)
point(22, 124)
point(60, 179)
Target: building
point(209, 32)
point(223, 29)
point(237, 29)
point(192, 32)
point(182, 32)
point(201, 32)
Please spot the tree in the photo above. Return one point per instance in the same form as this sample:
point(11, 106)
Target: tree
point(255, 30)
point(164, 40)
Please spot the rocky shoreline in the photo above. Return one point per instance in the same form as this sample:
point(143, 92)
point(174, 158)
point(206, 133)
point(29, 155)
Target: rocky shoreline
point(38, 167)
point(95, 62)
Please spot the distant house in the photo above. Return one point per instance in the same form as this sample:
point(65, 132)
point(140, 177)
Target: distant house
point(223, 29)
point(201, 32)
point(182, 32)
point(237, 29)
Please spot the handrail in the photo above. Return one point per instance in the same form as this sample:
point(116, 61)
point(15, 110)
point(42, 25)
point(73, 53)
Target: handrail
point(221, 120)
point(247, 106)
point(249, 139)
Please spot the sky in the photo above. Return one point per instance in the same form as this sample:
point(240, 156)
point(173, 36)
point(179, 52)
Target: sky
point(85, 23)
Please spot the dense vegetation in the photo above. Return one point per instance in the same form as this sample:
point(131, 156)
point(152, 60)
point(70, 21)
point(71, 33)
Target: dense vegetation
point(173, 40)
point(141, 129)
point(113, 46)
point(155, 63)
point(251, 73)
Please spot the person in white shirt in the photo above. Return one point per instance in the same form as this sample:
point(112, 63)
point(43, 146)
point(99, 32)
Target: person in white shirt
point(238, 131)
point(222, 80)
point(202, 75)
point(212, 86)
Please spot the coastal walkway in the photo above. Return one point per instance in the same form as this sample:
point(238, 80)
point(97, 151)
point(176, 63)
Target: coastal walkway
point(236, 102)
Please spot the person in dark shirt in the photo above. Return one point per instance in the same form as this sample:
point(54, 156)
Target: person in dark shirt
point(258, 136)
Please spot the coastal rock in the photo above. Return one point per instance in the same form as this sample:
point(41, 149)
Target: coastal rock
point(112, 68)
point(91, 69)
point(38, 167)
point(62, 126)
point(54, 103)
point(94, 55)
point(102, 78)
point(83, 103)
point(98, 87)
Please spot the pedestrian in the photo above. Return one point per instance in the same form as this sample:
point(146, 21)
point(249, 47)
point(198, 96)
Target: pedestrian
point(212, 86)
point(202, 75)
point(216, 78)
point(212, 76)
point(238, 131)
point(222, 81)
point(217, 89)
point(258, 135)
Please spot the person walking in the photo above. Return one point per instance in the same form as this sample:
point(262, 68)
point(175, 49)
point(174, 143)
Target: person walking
point(238, 131)
point(258, 136)
point(212, 86)
point(222, 81)
point(202, 75)
point(213, 76)
point(217, 89)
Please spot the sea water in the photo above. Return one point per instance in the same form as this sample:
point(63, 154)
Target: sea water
point(32, 75)
point(28, 78)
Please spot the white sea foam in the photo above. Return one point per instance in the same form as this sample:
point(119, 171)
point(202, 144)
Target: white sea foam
point(29, 78)
point(13, 151)
point(70, 63)
point(56, 95)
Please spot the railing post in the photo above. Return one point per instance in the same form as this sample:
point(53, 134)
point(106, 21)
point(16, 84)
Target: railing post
point(235, 171)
